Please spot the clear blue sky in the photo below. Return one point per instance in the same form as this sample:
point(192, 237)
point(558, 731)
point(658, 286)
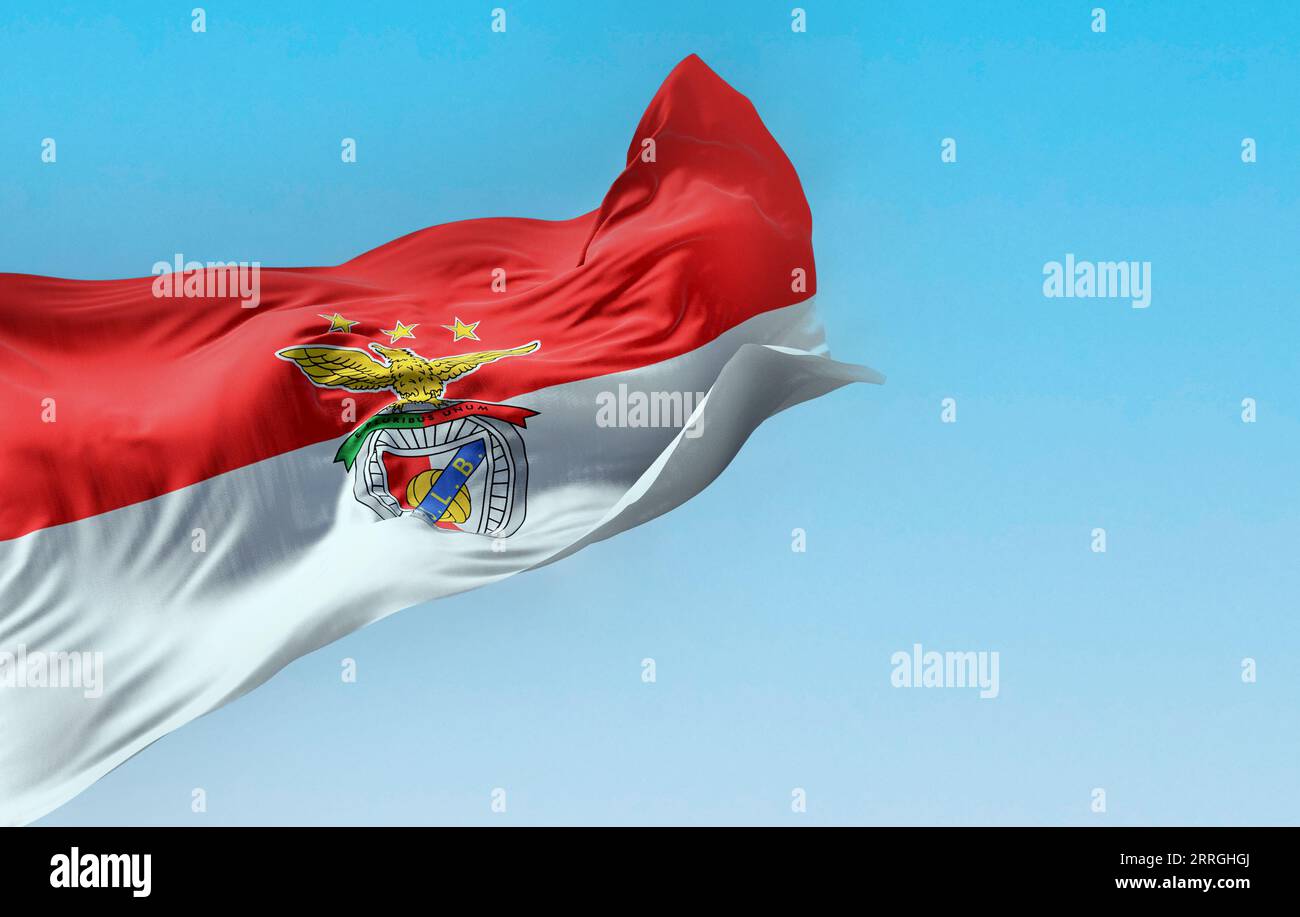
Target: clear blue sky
point(1118, 670)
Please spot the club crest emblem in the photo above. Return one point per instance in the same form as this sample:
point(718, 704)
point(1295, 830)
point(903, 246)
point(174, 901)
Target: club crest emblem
point(460, 465)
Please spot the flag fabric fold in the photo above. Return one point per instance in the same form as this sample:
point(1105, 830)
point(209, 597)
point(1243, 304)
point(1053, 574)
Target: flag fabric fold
point(192, 488)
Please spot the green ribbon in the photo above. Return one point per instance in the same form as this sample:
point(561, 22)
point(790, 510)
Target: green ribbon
point(347, 453)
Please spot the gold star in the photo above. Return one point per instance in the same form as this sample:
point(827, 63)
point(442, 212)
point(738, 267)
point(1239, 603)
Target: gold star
point(338, 323)
point(461, 330)
point(401, 331)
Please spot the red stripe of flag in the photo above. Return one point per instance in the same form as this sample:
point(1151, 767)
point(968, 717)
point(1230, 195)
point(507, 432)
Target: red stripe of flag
point(155, 394)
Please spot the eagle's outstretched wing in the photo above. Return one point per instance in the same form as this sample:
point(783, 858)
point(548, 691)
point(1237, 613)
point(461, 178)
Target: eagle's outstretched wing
point(448, 368)
point(341, 367)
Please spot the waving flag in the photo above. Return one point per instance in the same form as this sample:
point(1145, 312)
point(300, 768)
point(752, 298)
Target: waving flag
point(196, 464)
